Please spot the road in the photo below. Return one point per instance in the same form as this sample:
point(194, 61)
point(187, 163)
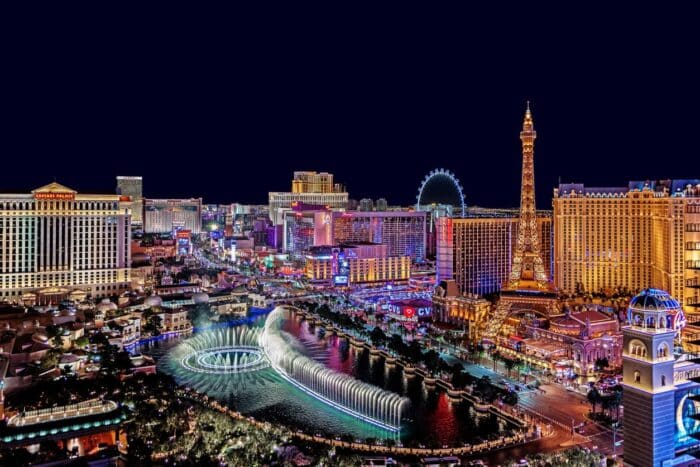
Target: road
point(558, 406)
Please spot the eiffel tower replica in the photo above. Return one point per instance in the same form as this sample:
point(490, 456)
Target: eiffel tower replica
point(528, 290)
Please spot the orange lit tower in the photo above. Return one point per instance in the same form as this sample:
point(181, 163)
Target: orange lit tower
point(527, 270)
point(527, 289)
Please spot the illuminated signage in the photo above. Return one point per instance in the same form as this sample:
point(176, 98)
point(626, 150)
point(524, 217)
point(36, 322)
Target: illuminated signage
point(340, 280)
point(58, 196)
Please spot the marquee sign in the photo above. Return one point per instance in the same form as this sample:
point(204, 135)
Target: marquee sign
point(54, 196)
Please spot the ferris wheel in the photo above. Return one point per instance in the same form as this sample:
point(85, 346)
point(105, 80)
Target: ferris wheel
point(452, 191)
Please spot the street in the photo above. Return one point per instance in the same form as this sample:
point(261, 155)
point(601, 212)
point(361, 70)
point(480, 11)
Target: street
point(558, 406)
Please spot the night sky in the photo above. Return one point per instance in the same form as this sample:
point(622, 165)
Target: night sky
point(226, 105)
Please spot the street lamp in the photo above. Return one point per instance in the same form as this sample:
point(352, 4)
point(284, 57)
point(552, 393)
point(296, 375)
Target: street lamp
point(573, 430)
point(614, 427)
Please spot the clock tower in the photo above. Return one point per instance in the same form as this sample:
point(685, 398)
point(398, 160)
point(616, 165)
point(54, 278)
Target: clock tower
point(648, 384)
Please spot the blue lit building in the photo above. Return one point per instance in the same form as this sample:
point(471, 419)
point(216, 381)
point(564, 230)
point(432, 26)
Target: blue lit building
point(661, 391)
point(78, 426)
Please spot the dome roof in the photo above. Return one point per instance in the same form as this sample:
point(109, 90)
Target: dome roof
point(105, 305)
point(153, 300)
point(654, 300)
point(660, 303)
point(200, 298)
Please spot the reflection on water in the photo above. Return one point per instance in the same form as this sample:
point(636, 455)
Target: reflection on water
point(434, 419)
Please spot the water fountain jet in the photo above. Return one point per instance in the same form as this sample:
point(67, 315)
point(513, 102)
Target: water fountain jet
point(343, 392)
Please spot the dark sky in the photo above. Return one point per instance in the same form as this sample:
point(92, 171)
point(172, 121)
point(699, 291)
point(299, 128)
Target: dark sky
point(227, 104)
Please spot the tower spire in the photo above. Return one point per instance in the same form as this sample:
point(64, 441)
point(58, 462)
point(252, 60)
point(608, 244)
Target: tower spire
point(528, 124)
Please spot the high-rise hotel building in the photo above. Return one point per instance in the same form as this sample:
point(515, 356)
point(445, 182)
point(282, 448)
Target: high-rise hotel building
point(133, 188)
point(54, 241)
point(646, 234)
point(308, 188)
point(314, 182)
point(169, 215)
point(403, 232)
point(477, 251)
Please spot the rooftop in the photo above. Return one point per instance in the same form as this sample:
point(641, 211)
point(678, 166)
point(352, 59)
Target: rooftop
point(654, 300)
point(677, 187)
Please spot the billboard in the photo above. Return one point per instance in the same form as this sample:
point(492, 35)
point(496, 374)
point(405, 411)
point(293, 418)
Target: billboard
point(341, 268)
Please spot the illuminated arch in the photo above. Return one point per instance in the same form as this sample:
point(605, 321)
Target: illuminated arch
point(442, 173)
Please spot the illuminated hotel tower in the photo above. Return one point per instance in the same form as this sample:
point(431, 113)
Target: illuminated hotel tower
point(55, 241)
point(527, 270)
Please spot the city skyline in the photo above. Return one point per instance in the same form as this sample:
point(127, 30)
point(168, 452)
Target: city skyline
point(451, 234)
point(543, 200)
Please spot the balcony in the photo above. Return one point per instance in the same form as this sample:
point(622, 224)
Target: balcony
point(693, 264)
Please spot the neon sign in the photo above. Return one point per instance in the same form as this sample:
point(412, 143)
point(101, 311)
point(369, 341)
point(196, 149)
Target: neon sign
point(58, 196)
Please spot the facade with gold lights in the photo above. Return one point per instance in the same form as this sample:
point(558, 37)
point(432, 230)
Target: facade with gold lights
point(308, 188)
point(477, 251)
point(54, 241)
point(644, 235)
point(451, 307)
point(358, 263)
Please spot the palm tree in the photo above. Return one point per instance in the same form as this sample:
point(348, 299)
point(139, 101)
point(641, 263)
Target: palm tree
point(593, 397)
point(494, 357)
point(480, 352)
point(509, 364)
point(616, 401)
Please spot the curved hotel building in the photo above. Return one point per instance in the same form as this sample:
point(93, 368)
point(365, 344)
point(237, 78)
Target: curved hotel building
point(54, 241)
